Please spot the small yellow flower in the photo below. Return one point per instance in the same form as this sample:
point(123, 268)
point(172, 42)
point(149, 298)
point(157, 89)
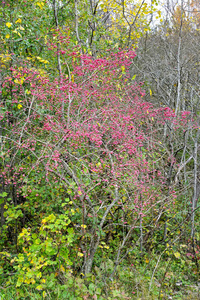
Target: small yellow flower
point(7, 36)
point(8, 24)
point(19, 106)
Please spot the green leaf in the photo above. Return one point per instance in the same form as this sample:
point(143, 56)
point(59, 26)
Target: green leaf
point(4, 194)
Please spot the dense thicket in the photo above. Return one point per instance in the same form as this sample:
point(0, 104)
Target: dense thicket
point(99, 150)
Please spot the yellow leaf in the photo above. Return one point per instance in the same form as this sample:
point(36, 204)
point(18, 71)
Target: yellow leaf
point(83, 226)
point(44, 220)
point(19, 283)
point(19, 81)
point(150, 91)
point(51, 217)
point(159, 14)
point(80, 254)
point(18, 21)
point(19, 106)
point(15, 31)
point(40, 4)
point(133, 77)
point(177, 254)
point(39, 287)
point(8, 24)
point(62, 268)
point(39, 275)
